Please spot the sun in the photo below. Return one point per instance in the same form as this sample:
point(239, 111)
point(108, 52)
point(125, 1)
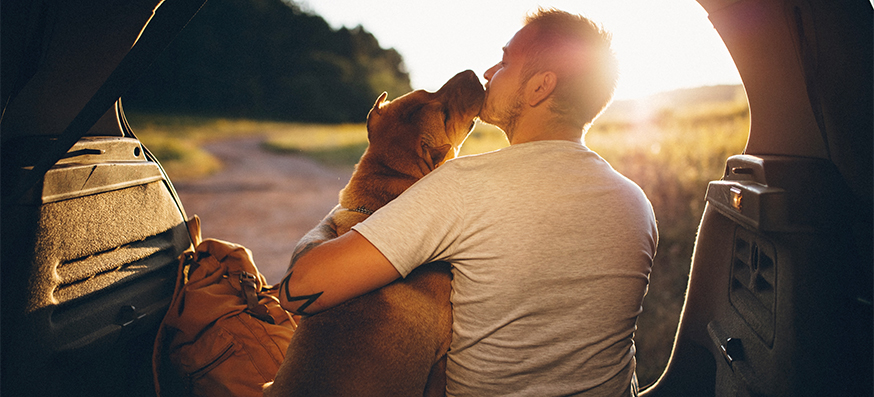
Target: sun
point(661, 45)
point(675, 46)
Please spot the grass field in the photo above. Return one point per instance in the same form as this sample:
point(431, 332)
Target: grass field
point(671, 156)
point(672, 150)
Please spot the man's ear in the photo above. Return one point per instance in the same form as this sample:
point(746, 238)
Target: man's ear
point(540, 86)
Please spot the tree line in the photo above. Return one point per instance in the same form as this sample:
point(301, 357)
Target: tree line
point(268, 59)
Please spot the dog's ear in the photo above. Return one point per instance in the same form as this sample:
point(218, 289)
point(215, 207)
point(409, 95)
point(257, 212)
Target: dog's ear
point(435, 155)
point(377, 107)
point(380, 102)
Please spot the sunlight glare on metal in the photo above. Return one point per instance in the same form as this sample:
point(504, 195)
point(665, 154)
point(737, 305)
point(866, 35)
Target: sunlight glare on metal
point(737, 198)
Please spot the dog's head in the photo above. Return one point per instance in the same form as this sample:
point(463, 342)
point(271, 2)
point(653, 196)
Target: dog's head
point(425, 127)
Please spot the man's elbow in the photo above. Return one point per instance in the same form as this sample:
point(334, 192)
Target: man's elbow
point(294, 297)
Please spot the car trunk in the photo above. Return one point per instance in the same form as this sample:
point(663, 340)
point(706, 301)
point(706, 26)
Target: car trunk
point(779, 296)
point(91, 225)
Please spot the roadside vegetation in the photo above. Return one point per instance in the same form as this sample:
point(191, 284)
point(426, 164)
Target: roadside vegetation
point(269, 59)
point(670, 146)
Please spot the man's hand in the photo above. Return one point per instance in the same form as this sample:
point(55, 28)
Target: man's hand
point(327, 274)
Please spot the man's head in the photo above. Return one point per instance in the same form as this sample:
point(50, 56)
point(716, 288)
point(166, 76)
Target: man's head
point(568, 55)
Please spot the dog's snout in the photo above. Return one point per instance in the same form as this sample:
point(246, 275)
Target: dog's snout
point(470, 75)
point(471, 78)
point(463, 93)
point(462, 81)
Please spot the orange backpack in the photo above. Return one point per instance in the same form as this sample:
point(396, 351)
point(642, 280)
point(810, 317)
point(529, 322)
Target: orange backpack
point(224, 333)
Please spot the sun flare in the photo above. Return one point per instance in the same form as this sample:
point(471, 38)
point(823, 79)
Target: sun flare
point(661, 46)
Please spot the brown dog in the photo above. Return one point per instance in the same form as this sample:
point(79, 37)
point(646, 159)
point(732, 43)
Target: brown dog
point(392, 341)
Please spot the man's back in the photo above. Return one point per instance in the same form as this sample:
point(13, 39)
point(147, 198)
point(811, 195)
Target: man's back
point(551, 252)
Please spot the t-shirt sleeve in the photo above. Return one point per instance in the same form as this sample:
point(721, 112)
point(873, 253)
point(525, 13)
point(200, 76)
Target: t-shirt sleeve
point(421, 225)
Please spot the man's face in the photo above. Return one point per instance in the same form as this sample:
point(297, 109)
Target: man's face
point(504, 103)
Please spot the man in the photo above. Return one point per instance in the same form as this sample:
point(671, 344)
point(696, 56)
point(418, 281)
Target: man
point(551, 248)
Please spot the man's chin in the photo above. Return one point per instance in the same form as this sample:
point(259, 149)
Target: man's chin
point(486, 116)
point(489, 121)
point(489, 118)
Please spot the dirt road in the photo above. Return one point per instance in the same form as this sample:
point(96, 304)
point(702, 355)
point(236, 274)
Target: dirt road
point(261, 200)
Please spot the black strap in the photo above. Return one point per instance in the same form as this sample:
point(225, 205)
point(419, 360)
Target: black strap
point(250, 294)
point(169, 19)
point(129, 132)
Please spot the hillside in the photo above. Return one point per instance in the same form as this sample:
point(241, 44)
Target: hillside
point(685, 100)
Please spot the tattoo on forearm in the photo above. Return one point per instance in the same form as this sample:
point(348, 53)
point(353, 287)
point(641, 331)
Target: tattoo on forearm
point(309, 299)
point(325, 231)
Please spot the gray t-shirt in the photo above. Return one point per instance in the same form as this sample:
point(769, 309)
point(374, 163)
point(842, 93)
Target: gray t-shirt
point(551, 251)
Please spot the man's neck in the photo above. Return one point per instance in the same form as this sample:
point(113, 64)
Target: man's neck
point(530, 130)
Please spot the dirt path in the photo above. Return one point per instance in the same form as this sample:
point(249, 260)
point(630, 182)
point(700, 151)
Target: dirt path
point(261, 200)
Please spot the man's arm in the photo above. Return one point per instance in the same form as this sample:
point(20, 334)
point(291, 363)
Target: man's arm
point(325, 275)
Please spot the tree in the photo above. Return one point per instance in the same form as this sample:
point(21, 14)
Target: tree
point(269, 59)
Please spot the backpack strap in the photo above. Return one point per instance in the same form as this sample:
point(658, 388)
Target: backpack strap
point(253, 307)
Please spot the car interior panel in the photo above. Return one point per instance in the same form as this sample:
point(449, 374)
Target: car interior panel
point(779, 296)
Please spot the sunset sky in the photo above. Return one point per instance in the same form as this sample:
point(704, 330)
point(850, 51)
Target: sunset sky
point(661, 45)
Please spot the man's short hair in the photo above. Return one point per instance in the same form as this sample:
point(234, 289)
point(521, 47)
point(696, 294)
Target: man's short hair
point(578, 51)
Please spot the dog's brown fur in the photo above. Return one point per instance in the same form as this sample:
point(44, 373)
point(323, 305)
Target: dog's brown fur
point(392, 341)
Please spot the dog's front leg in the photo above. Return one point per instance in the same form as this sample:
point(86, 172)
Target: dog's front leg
point(324, 231)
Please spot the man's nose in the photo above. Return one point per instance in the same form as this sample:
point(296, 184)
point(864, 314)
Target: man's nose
point(490, 72)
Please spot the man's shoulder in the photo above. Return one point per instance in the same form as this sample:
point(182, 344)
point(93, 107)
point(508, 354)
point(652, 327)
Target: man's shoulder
point(509, 154)
point(473, 161)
